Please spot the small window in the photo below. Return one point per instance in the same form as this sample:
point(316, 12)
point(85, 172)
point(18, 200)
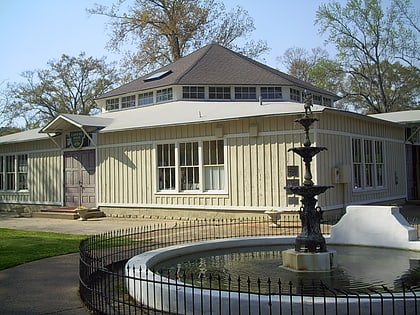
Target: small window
point(214, 168)
point(317, 99)
point(128, 101)
point(271, 93)
point(295, 95)
point(166, 166)
point(10, 172)
point(22, 168)
point(193, 92)
point(1, 173)
point(189, 167)
point(219, 93)
point(245, 93)
point(145, 98)
point(164, 95)
point(326, 101)
point(112, 104)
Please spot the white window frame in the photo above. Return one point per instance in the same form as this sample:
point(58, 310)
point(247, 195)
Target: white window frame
point(15, 173)
point(199, 188)
point(368, 165)
point(128, 101)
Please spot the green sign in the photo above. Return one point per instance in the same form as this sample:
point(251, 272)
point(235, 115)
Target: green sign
point(77, 138)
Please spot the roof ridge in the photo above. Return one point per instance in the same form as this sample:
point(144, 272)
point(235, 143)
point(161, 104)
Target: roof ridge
point(206, 49)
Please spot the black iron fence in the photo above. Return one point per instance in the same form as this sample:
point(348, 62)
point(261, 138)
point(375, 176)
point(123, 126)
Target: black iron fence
point(108, 286)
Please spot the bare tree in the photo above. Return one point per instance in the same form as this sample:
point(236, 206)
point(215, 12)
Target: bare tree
point(377, 49)
point(159, 32)
point(69, 85)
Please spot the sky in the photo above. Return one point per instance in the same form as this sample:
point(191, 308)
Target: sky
point(33, 32)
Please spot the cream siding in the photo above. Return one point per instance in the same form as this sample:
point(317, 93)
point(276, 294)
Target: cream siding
point(45, 172)
point(256, 163)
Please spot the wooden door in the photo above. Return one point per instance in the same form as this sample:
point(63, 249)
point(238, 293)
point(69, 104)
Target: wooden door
point(80, 179)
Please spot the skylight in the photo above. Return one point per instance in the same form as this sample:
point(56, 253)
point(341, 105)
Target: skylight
point(157, 75)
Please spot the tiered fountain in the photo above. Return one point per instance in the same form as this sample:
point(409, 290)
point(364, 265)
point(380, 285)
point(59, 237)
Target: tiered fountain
point(310, 252)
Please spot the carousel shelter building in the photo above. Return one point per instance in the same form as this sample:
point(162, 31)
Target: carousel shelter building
point(205, 136)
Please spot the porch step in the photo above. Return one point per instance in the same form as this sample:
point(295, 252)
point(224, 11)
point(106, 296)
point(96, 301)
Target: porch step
point(66, 213)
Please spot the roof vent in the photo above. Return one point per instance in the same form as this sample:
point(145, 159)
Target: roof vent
point(157, 75)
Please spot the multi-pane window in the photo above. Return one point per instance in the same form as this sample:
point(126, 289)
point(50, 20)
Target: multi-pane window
point(191, 166)
point(164, 95)
point(128, 101)
point(166, 166)
point(219, 93)
point(357, 163)
point(193, 92)
point(295, 95)
point(1, 173)
point(213, 162)
point(317, 99)
point(145, 98)
point(245, 93)
point(112, 104)
point(326, 101)
point(10, 172)
point(380, 163)
point(271, 93)
point(22, 172)
point(14, 172)
point(368, 163)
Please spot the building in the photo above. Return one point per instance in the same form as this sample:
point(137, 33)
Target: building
point(206, 136)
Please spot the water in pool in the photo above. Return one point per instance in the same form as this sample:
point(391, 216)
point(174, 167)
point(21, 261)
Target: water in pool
point(360, 269)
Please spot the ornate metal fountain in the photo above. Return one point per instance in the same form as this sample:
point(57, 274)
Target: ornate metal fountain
point(310, 239)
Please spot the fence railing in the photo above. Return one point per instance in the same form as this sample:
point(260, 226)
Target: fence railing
point(106, 285)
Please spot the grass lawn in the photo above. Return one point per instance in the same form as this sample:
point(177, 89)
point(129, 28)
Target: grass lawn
point(19, 247)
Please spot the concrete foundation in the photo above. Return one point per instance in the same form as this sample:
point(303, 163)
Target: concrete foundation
point(309, 262)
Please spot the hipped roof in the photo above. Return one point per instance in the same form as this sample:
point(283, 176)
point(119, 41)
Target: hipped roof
point(214, 65)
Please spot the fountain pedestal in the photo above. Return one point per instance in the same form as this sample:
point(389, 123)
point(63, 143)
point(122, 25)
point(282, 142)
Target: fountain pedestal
point(316, 262)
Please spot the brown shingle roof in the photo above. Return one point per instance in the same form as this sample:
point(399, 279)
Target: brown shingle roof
point(214, 65)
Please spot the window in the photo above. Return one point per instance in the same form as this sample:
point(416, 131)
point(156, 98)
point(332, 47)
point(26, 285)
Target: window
point(166, 166)
point(128, 101)
point(145, 98)
point(379, 163)
point(1, 173)
point(327, 101)
point(14, 172)
point(219, 93)
point(197, 166)
point(214, 168)
point(10, 172)
point(245, 93)
point(189, 166)
point(193, 92)
point(295, 95)
point(271, 93)
point(368, 164)
point(317, 99)
point(22, 169)
point(164, 95)
point(112, 104)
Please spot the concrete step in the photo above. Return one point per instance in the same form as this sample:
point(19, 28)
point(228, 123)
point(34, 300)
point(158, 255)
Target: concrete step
point(67, 213)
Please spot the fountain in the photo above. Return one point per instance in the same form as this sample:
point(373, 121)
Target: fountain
point(310, 252)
